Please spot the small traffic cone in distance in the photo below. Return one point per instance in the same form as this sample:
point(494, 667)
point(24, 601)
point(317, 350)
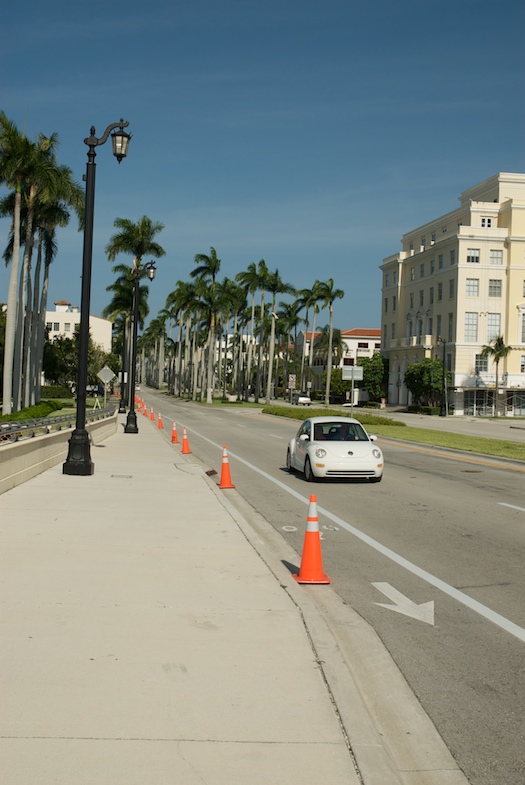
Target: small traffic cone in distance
point(312, 562)
point(226, 480)
point(152, 416)
point(144, 408)
point(159, 421)
point(174, 437)
point(185, 443)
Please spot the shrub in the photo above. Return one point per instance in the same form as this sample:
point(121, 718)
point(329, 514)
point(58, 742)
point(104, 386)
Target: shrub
point(42, 409)
point(56, 391)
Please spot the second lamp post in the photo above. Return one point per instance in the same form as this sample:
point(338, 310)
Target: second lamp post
point(137, 272)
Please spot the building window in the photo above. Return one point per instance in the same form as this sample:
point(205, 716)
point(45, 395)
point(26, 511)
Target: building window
point(419, 330)
point(421, 298)
point(438, 324)
point(394, 302)
point(423, 243)
point(386, 304)
point(482, 364)
point(432, 266)
point(495, 287)
point(394, 278)
point(410, 329)
point(67, 327)
point(440, 291)
point(473, 255)
point(362, 345)
point(49, 326)
point(486, 223)
point(429, 326)
point(472, 287)
point(421, 270)
point(377, 346)
point(412, 273)
point(522, 363)
point(453, 257)
point(348, 360)
point(387, 280)
point(440, 261)
point(493, 326)
point(522, 327)
point(431, 295)
point(411, 300)
point(451, 287)
point(393, 330)
point(450, 327)
point(433, 237)
point(495, 257)
point(471, 326)
point(56, 327)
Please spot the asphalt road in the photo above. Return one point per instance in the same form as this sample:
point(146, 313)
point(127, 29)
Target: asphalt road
point(443, 530)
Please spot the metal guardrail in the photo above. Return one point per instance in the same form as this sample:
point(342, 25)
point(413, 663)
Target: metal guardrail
point(13, 431)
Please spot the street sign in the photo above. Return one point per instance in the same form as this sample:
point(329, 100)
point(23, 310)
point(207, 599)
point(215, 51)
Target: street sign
point(106, 374)
point(352, 373)
point(291, 381)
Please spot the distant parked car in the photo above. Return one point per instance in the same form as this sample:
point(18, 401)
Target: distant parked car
point(334, 447)
point(302, 399)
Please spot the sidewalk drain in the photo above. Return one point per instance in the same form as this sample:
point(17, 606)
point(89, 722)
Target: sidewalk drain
point(211, 472)
point(122, 476)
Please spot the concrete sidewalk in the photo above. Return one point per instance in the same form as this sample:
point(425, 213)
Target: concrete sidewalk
point(148, 639)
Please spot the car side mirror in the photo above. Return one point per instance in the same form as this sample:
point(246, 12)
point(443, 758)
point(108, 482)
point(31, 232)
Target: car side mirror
point(304, 437)
point(372, 437)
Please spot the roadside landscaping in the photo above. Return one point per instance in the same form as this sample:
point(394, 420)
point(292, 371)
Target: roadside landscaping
point(393, 429)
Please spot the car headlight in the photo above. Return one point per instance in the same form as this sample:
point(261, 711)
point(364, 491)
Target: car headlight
point(320, 453)
point(376, 453)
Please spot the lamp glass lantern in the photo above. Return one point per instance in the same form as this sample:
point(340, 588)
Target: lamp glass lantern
point(120, 141)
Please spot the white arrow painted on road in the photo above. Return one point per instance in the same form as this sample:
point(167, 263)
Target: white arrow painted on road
point(404, 605)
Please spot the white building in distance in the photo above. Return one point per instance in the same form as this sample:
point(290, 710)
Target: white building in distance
point(63, 320)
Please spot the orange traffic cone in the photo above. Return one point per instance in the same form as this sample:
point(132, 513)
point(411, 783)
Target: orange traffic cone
point(144, 408)
point(174, 437)
point(152, 416)
point(311, 562)
point(226, 480)
point(185, 444)
point(159, 420)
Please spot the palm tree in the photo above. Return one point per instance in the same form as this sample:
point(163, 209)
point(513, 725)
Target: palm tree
point(206, 272)
point(137, 240)
point(249, 280)
point(263, 273)
point(31, 170)
point(276, 286)
point(498, 350)
point(327, 294)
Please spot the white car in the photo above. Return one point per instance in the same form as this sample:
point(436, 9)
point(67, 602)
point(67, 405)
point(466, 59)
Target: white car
point(332, 447)
point(302, 399)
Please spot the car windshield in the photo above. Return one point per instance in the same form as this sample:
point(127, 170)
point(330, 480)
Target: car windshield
point(339, 432)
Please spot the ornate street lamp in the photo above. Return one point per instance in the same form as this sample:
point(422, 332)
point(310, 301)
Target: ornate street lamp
point(137, 272)
point(79, 461)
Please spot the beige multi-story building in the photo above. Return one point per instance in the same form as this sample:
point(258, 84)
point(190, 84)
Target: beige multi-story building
point(65, 318)
point(458, 283)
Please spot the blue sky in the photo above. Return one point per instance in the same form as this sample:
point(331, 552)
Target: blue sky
point(311, 135)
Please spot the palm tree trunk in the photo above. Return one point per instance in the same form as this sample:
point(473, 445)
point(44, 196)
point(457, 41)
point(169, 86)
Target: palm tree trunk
point(12, 309)
point(329, 361)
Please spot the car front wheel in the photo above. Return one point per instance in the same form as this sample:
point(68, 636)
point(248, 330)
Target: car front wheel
point(308, 473)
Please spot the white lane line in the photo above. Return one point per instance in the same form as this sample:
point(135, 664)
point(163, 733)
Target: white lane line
point(512, 506)
point(274, 436)
point(459, 596)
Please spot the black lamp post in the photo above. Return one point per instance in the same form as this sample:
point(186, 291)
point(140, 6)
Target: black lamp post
point(78, 461)
point(443, 407)
point(137, 272)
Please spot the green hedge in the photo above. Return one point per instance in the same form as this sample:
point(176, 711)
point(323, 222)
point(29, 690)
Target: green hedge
point(56, 391)
point(431, 410)
point(42, 409)
point(304, 413)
